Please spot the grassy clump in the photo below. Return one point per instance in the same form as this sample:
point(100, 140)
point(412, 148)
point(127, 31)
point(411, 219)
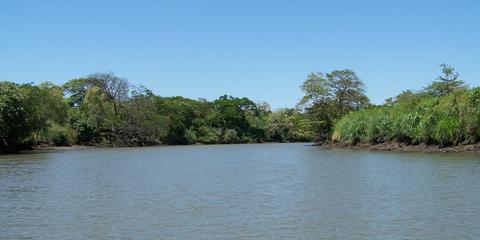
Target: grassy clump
point(415, 118)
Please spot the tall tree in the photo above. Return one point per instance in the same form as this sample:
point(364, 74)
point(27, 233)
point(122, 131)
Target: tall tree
point(76, 89)
point(317, 90)
point(348, 89)
point(116, 88)
point(446, 83)
point(53, 103)
point(330, 96)
point(20, 115)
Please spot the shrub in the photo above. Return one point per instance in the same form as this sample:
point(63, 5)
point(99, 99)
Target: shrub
point(416, 118)
point(208, 135)
point(230, 136)
point(61, 135)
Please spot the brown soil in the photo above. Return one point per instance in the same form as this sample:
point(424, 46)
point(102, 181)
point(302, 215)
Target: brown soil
point(394, 146)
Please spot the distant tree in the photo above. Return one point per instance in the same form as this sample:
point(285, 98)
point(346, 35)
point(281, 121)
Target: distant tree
point(142, 91)
point(240, 115)
point(289, 125)
point(76, 89)
point(53, 103)
point(140, 123)
point(317, 90)
point(348, 89)
point(20, 115)
point(84, 125)
point(447, 83)
point(343, 87)
point(330, 96)
point(99, 110)
point(116, 88)
point(180, 114)
point(279, 125)
point(405, 96)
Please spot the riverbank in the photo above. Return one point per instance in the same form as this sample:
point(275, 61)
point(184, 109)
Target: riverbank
point(389, 146)
point(51, 147)
point(402, 147)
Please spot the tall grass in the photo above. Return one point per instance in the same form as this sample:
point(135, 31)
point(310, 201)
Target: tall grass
point(417, 118)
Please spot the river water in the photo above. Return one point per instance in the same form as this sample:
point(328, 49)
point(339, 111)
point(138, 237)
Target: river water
point(257, 191)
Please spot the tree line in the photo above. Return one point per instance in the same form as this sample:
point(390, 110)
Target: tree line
point(445, 113)
point(104, 109)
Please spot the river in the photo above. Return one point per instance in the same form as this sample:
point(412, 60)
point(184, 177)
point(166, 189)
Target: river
point(254, 191)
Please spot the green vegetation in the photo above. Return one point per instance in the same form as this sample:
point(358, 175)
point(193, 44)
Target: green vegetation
point(330, 96)
point(445, 113)
point(103, 109)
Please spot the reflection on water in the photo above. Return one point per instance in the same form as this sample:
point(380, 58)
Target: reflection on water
point(269, 191)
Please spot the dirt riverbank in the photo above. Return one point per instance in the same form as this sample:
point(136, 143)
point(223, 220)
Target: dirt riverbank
point(402, 147)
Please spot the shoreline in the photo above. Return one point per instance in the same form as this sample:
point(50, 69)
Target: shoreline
point(402, 147)
point(388, 147)
point(46, 147)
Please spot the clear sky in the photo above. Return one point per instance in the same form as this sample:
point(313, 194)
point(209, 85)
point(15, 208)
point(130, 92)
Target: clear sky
point(259, 49)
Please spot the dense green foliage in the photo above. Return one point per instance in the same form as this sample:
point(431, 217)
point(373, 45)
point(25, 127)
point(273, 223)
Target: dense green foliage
point(446, 113)
point(103, 109)
point(330, 96)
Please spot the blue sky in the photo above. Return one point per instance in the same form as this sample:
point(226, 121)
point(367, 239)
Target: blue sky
point(259, 49)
